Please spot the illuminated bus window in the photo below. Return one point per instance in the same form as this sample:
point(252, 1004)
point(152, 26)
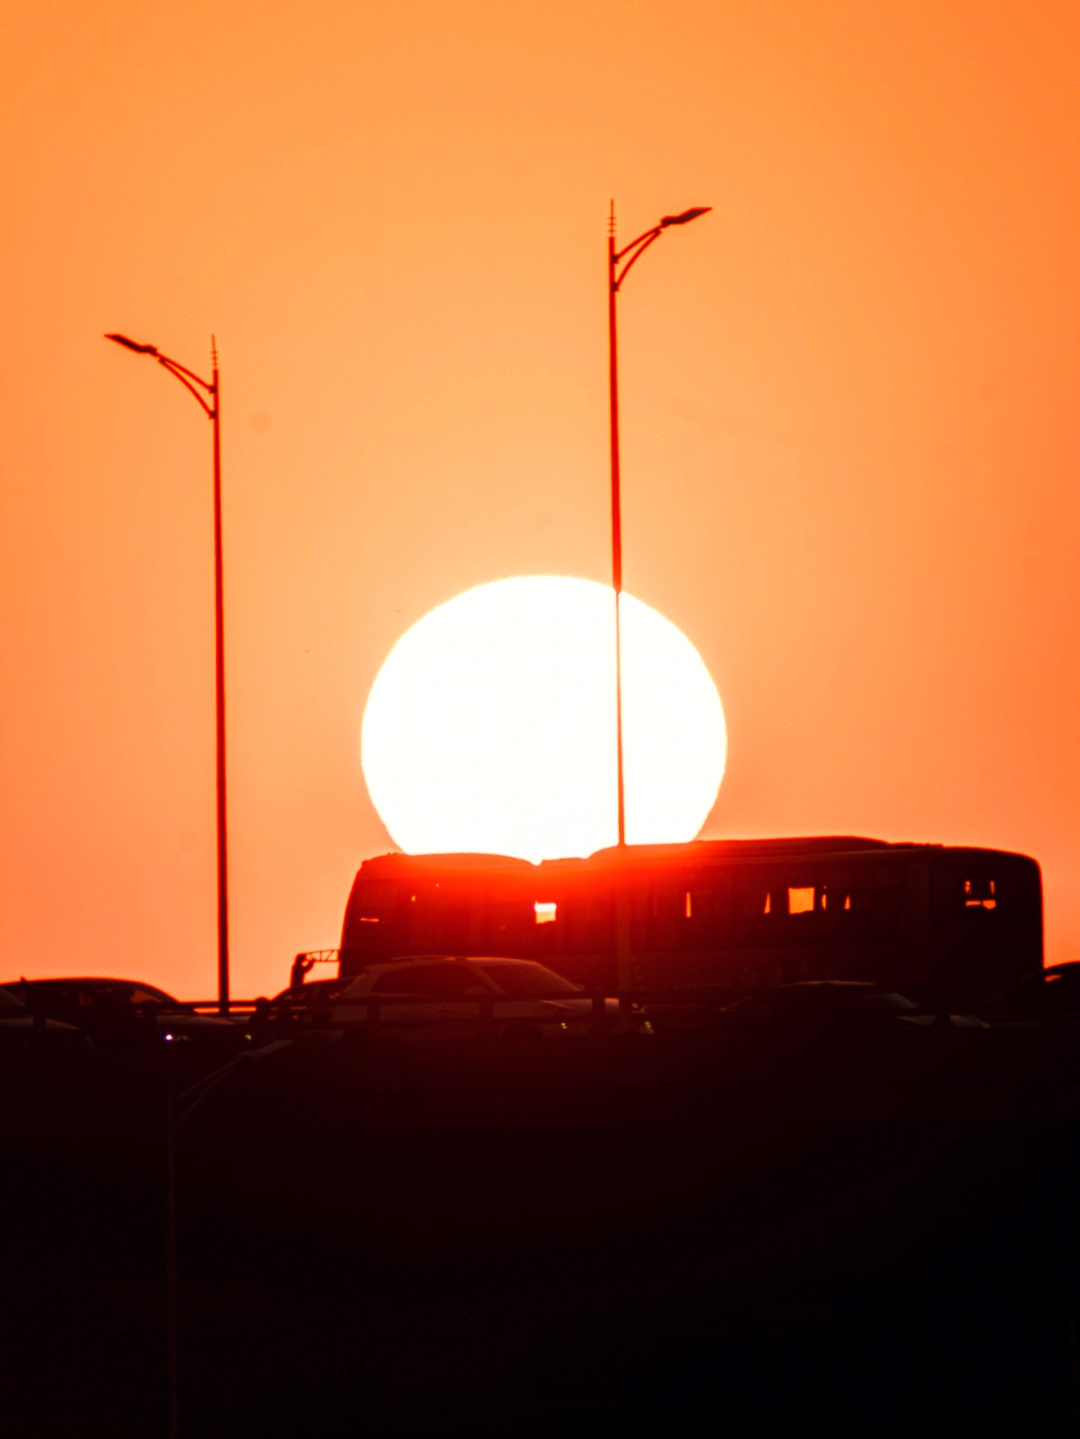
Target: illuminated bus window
point(834, 900)
point(980, 894)
point(545, 911)
point(800, 899)
point(705, 918)
point(704, 903)
point(753, 909)
point(958, 892)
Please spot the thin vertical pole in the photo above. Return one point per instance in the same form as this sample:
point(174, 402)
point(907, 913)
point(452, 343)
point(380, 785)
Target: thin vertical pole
point(219, 705)
point(616, 524)
point(622, 908)
point(172, 1313)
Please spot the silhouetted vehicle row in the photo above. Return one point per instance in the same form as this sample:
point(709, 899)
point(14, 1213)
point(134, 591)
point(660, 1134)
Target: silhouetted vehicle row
point(948, 926)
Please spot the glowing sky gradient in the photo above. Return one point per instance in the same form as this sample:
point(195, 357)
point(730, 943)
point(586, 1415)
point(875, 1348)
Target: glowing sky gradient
point(850, 433)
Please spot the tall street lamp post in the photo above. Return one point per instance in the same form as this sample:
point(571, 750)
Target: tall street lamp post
point(619, 263)
point(201, 388)
point(624, 258)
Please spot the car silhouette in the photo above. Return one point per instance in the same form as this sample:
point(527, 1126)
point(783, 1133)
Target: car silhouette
point(21, 1027)
point(124, 1015)
point(438, 996)
point(1049, 997)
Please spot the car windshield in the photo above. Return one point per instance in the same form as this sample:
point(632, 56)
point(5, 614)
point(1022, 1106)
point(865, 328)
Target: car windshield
point(147, 994)
point(522, 979)
point(444, 979)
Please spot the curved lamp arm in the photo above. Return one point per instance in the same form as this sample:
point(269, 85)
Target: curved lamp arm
point(637, 248)
point(188, 378)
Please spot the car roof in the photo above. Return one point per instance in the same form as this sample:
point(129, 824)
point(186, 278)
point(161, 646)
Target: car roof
point(59, 981)
point(410, 961)
point(454, 959)
point(84, 979)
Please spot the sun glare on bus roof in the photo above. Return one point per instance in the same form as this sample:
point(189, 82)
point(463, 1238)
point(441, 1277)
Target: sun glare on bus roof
point(491, 725)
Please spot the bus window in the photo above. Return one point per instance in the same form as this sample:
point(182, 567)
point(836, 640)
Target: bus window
point(666, 916)
point(589, 919)
point(963, 891)
point(980, 894)
point(757, 901)
point(509, 924)
point(836, 899)
point(374, 902)
point(861, 903)
point(705, 906)
point(440, 919)
point(800, 899)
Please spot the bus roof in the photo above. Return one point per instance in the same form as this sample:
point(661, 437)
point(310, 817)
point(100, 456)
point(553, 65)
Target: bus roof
point(465, 863)
point(703, 852)
point(712, 849)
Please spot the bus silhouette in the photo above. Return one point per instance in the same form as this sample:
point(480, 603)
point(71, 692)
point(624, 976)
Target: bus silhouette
point(945, 925)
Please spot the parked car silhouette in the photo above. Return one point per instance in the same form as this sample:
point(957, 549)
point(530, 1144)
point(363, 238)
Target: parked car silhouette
point(125, 1015)
point(1050, 996)
point(20, 1027)
point(438, 996)
point(821, 1001)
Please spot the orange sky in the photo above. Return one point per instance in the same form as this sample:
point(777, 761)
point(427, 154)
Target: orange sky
point(851, 427)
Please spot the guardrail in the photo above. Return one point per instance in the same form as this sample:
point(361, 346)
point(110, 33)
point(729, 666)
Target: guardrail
point(238, 1008)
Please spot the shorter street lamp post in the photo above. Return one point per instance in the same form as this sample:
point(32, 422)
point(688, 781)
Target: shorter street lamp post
point(625, 258)
point(201, 388)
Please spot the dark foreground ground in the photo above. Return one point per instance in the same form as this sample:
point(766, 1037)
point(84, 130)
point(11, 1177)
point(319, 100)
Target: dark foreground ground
point(613, 1236)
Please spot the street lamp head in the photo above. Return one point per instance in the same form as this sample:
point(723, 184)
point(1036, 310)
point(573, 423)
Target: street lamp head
point(685, 216)
point(133, 345)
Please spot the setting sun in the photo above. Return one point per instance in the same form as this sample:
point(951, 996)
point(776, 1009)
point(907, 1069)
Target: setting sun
point(491, 725)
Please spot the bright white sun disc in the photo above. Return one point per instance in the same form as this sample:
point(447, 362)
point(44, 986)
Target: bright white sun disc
point(491, 725)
